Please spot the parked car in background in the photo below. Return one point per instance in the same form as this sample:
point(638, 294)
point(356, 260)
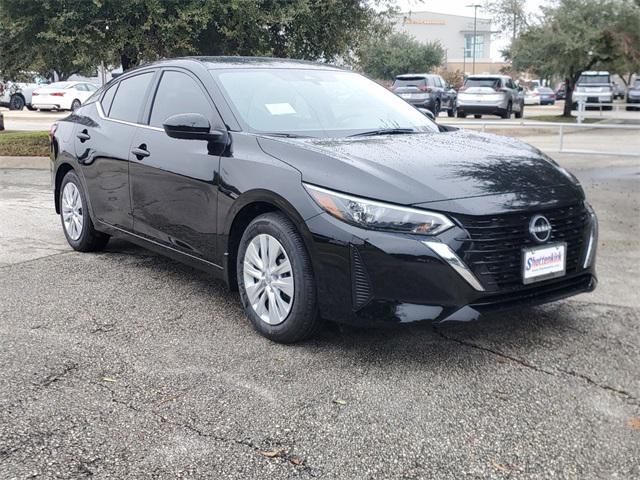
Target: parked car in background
point(426, 90)
point(633, 95)
point(319, 195)
point(543, 96)
point(531, 97)
point(561, 92)
point(618, 90)
point(17, 95)
point(593, 87)
point(62, 95)
point(490, 95)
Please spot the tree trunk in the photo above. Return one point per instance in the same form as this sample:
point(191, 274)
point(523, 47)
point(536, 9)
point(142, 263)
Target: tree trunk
point(568, 100)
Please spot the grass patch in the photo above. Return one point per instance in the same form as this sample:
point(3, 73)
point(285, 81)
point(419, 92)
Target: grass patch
point(561, 119)
point(24, 144)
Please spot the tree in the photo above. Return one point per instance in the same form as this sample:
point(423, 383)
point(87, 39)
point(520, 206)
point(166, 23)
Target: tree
point(509, 15)
point(398, 53)
point(574, 36)
point(72, 36)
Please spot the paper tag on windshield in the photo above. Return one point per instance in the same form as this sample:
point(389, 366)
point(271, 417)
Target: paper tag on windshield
point(280, 108)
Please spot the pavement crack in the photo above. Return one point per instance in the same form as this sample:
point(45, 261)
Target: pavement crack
point(607, 388)
point(56, 376)
point(286, 455)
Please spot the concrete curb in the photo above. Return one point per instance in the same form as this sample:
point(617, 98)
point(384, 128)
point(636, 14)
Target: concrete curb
point(33, 163)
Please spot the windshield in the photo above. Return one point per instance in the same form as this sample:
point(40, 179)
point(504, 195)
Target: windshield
point(586, 79)
point(482, 82)
point(318, 103)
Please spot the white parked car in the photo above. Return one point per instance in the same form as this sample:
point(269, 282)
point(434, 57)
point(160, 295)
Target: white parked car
point(17, 95)
point(62, 95)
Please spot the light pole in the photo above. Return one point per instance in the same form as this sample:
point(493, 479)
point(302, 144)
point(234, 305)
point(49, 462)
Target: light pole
point(475, 7)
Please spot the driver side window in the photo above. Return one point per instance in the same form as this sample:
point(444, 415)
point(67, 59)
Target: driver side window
point(178, 93)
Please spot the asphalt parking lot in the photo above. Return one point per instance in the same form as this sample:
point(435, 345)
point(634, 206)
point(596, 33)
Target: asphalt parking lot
point(125, 364)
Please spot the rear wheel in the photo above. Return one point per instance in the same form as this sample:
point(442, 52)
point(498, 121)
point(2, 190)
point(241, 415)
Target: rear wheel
point(520, 114)
point(16, 102)
point(451, 112)
point(461, 114)
point(276, 281)
point(436, 108)
point(76, 222)
point(75, 105)
point(477, 115)
point(507, 113)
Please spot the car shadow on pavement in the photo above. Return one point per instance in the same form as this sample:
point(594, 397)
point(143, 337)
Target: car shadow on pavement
point(512, 335)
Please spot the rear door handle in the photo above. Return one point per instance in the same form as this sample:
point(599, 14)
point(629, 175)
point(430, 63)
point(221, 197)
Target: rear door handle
point(84, 136)
point(141, 152)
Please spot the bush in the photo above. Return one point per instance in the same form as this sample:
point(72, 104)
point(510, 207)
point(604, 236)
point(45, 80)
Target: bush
point(24, 144)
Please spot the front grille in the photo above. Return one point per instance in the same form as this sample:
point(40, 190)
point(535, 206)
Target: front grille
point(493, 249)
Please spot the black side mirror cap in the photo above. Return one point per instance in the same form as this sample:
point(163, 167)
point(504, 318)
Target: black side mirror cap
point(192, 126)
point(427, 113)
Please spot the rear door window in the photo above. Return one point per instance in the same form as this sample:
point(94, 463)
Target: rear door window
point(178, 93)
point(128, 100)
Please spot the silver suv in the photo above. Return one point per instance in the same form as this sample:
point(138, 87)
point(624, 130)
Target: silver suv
point(593, 87)
point(490, 95)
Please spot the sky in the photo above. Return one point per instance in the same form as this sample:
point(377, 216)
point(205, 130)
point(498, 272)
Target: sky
point(459, 7)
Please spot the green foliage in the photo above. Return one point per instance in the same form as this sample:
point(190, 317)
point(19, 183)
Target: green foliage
point(575, 36)
point(73, 36)
point(386, 57)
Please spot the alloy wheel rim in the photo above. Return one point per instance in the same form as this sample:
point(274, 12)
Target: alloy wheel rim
point(268, 279)
point(72, 211)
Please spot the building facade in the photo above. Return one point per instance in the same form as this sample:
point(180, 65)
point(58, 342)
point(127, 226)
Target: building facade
point(456, 34)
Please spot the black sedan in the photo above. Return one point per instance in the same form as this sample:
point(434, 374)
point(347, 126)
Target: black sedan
point(319, 194)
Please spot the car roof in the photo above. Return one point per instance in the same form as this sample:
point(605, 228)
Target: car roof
point(593, 72)
point(488, 76)
point(411, 75)
point(221, 62)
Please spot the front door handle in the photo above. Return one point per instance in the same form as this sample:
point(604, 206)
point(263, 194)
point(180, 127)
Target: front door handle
point(141, 152)
point(83, 136)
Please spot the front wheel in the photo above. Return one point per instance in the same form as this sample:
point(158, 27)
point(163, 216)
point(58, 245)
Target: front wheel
point(76, 222)
point(75, 105)
point(275, 280)
point(16, 102)
point(452, 111)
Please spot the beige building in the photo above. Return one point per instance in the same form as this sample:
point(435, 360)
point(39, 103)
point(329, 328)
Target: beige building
point(455, 33)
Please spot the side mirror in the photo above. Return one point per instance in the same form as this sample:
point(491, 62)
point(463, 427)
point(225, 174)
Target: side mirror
point(192, 126)
point(427, 113)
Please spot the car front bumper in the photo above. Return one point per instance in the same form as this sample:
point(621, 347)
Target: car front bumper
point(374, 278)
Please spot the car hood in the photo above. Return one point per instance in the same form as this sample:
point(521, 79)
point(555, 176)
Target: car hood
point(429, 167)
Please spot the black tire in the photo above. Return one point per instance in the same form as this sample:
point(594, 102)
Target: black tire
point(520, 114)
point(460, 114)
point(31, 107)
point(75, 105)
point(302, 321)
point(452, 111)
point(507, 113)
point(436, 108)
point(477, 115)
point(90, 239)
point(16, 102)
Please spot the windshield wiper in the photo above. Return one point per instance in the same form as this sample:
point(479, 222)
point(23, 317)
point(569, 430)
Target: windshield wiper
point(284, 134)
point(385, 131)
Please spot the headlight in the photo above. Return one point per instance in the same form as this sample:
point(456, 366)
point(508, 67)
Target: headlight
point(378, 216)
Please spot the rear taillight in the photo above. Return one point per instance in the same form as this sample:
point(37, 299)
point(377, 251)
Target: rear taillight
point(35, 94)
point(58, 94)
point(424, 88)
